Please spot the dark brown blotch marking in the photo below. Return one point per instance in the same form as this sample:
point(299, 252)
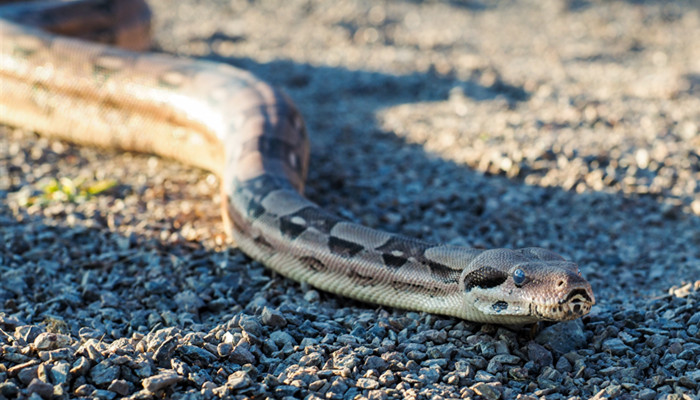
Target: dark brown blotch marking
point(484, 278)
point(314, 263)
point(406, 246)
point(262, 242)
point(411, 248)
point(255, 210)
point(393, 261)
point(291, 229)
point(500, 306)
point(360, 279)
point(313, 218)
point(343, 247)
point(441, 271)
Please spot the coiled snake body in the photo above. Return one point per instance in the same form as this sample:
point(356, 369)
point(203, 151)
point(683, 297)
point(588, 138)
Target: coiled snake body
point(225, 120)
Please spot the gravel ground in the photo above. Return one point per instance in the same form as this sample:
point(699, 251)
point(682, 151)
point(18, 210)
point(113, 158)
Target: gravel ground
point(571, 125)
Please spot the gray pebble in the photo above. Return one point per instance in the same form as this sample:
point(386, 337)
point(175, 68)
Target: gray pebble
point(273, 318)
point(80, 367)
point(251, 325)
point(367, 383)
point(646, 394)
point(282, 339)
point(8, 389)
point(103, 394)
point(43, 389)
point(120, 387)
point(51, 341)
point(239, 380)
point(537, 353)
point(563, 337)
point(196, 355)
point(27, 333)
point(312, 296)
point(615, 346)
point(158, 382)
point(104, 373)
point(165, 351)
point(241, 355)
point(59, 372)
point(28, 374)
point(486, 391)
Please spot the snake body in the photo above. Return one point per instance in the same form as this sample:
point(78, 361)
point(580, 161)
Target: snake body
point(251, 135)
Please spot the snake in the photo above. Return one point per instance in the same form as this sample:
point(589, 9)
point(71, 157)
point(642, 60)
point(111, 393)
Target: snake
point(76, 70)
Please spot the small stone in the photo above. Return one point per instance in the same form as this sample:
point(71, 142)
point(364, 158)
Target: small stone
point(26, 374)
point(312, 296)
point(615, 346)
point(251, 325)
point(376, 363)
point(657, 341)
point(43, 389)
point(366, 383)
point(51, 341)
point(65, 353)
point(241, 356)
point(161, 381)
point(239, 380)
point(84, 390)
point(27, 333)
point(483, 376)
point(537, 353)
point(119, 386)
point(286, 391)
point(8, 389)
point(646, 394)
point(80, 367)
point(196, 355)
point(165, 351)
point(311, 359)
point(188, 301)
point(59, 372)
point(487, 391)
point(273, 318)
point(377, 395)
point(563, 337)
point(103, 394)
point(506, 359)
point(563, 364)
point(282, 339)
point(104, 373)
point(224, 349)
point(387, 378)
point(687, 382)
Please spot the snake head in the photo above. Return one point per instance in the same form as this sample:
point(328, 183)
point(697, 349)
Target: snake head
point(525, 285)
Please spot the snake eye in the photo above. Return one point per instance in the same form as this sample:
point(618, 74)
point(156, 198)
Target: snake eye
point(519, 277)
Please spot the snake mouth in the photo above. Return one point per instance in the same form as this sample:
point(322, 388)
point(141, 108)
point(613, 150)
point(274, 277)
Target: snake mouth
point(578, 296)
point(575, 305)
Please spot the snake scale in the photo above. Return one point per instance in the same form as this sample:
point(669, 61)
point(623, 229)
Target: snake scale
point(225, 120)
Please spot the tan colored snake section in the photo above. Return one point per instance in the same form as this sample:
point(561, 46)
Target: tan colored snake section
point(250, 134)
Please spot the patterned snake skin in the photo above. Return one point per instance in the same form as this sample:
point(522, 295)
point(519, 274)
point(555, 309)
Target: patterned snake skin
point(227, 121)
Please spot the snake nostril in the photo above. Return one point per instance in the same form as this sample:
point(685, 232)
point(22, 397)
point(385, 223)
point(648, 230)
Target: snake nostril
point(561, 283)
